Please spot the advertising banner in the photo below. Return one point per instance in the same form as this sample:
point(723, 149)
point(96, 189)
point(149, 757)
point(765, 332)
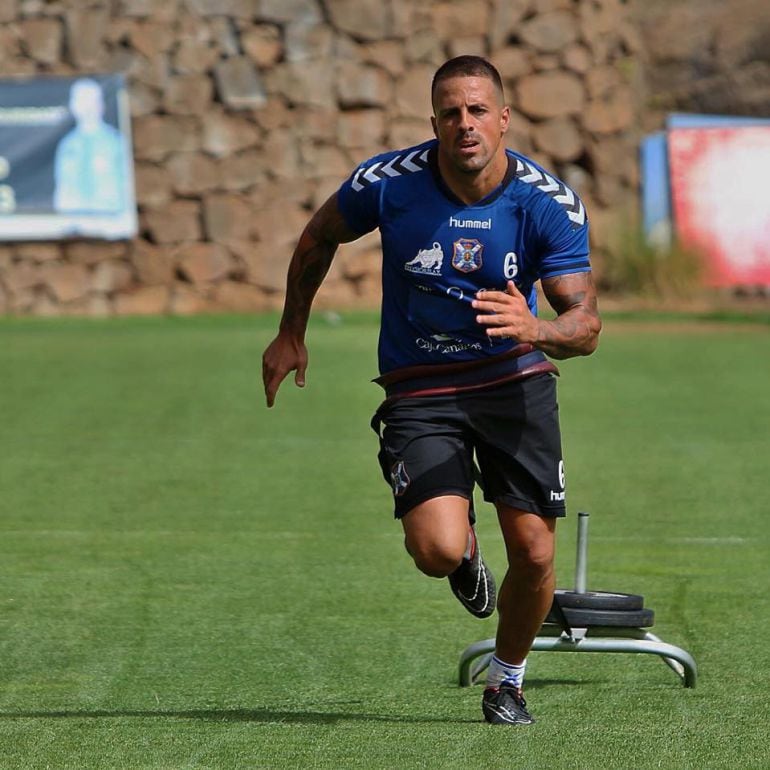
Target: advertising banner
point(720, 201)
point(66, 167)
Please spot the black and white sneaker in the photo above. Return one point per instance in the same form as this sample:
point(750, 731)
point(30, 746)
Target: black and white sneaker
point(505, 705)
point(473, 584)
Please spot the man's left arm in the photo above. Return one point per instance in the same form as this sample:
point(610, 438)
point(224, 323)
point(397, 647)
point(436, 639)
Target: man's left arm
point(574, 331)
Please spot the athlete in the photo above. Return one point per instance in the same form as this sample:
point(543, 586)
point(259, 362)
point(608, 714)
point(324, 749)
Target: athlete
point(467, 228)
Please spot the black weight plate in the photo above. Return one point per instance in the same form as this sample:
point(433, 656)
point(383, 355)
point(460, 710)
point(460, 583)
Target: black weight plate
point(599, 600)
point(583, 618)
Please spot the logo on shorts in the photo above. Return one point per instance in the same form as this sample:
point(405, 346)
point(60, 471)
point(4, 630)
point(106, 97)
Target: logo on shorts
point(467, 255)
point(399, 478)
point(558, 497)
point(427, 261)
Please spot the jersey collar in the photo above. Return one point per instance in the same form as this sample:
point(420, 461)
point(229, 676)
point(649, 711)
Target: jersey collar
point(510, 173)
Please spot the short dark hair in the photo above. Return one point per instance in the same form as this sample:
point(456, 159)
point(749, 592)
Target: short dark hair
point(467, 66)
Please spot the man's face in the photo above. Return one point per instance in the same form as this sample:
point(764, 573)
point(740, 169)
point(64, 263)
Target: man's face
point(469, 121)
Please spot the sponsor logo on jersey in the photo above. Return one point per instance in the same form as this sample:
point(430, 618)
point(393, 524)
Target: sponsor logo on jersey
point(471, 224)
point(467, 255)
point(445, 345)
point(399, 478)
point(427, 261)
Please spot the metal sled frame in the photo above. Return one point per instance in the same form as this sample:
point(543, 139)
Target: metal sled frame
point(475, 658)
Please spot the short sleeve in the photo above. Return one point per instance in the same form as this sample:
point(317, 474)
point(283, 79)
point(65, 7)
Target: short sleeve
point(359, 203)
point(564, 241)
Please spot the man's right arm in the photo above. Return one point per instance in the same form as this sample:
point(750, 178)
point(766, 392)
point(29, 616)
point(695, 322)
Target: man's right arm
point(309, 265)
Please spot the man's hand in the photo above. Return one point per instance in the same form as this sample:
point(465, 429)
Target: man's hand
point(283, 355)
point(506, 314)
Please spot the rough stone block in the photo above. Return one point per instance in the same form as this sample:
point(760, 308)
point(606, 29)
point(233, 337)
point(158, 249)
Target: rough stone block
point(262, 44)
point(282, 11)
point(362, 19)
point(227, 218)
point(38, 252)
point(153, 186)
point(86, 29)
point(242, 171)
point(154, 265)
point(550, 94)
point(467, 16)
point(359, 129)
point(157, 136)
point(93, 252)
point(21, 276)
point(112, 276)
point(550, 32)
point(146, 300)
point(43, 39)
point(191, 173)
point(236, 297)
point(559, 138)
point(413, 93)
point(303, 83)
point(204, 262)
point(188, 300)
point(607, 116)
point(308, 41)
point(178, 222)
point(188, 95)
point(226, 134)
point(238, 83)
point(194, 57)
point(65, 282)
point(9, 10)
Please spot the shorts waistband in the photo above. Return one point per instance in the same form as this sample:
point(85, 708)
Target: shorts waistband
point(495, 372)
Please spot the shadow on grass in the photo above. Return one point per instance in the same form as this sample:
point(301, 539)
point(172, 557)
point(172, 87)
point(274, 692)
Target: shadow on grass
point(265, 716)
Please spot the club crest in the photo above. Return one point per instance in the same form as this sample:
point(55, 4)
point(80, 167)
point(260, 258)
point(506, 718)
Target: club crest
point(399, 478)
point(466, 256)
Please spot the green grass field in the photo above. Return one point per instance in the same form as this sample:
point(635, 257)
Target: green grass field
point(192, 581)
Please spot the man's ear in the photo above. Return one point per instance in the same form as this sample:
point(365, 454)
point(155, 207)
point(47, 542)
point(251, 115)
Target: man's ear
point(505, 119)
point(434, 125)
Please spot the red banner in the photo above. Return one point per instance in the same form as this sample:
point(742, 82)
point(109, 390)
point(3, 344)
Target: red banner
point(720, 189)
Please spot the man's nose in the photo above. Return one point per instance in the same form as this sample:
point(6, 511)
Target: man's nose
point(466, 121)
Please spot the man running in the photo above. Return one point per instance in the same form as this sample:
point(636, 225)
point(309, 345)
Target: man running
point(467, 228)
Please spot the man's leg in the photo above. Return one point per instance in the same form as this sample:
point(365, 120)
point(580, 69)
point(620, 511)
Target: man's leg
point(436, 534)
point(442, 542)
point(524, 601)
point(527, 591)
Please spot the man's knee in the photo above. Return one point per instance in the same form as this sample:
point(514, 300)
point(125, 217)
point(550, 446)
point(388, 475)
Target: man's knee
point(435, 557)
point(529, 543)
point(436, 534)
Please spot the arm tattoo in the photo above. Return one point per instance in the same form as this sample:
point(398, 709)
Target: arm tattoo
point(311, 262)
point(575, 330)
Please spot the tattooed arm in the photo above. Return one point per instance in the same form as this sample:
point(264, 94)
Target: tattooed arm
point(574, 331)
point(307, 269)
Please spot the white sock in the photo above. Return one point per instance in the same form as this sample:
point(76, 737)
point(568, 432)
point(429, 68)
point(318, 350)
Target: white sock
point(500, 672)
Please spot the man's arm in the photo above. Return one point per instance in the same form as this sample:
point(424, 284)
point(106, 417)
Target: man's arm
point(308, 267)
point(574, 331)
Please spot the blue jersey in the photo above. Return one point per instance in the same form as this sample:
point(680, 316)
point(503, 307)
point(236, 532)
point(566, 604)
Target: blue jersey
point(438, 252)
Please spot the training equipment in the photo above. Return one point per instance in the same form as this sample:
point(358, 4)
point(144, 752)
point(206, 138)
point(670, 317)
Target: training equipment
point(474, 585)
point(590, 621)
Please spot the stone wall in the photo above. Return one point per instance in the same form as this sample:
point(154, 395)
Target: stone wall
point(705, 56)
point(247, 114)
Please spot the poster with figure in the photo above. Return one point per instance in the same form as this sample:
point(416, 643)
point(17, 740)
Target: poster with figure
point(66, 167)
point(720, 202)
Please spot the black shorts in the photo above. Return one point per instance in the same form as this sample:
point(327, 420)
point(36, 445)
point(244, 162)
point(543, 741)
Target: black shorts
point(427, 446)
